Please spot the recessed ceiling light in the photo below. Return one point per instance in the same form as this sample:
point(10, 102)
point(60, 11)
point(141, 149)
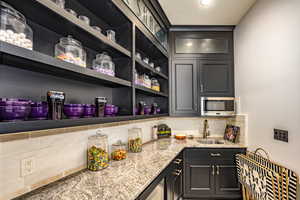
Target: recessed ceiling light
point(205, 2)
point(189, 44)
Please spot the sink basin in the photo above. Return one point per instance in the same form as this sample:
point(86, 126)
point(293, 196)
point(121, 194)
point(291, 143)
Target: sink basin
point(211, 141)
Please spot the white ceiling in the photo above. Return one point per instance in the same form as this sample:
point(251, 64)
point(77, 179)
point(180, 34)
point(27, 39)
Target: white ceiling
point(218, 12)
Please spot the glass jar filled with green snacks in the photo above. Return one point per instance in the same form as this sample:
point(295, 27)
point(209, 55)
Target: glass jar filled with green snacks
point(135, 140)
point(98, 157)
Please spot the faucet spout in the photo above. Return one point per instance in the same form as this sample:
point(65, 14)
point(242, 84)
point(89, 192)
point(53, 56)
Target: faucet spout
point(205, 129)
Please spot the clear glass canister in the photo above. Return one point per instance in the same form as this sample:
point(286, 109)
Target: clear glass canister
point(59, 3)
point(146, 81)
point(135, 140)
point(111, 35)
point(155, 84)
point(119, 151)
point(98, 157)
point(70, 50)
point(13, 27)
point(104, 64)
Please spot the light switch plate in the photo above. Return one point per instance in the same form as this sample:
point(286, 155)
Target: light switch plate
point(27, 166)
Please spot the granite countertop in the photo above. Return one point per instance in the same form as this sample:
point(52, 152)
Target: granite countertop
point(122, 180)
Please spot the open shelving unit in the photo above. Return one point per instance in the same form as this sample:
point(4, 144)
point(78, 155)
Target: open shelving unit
point(30, 74)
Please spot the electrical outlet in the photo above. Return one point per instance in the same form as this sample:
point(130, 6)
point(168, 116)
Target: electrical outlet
point(281, 135)
point(27, 166)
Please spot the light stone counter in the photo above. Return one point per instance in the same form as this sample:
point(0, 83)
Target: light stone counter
point(122, 180)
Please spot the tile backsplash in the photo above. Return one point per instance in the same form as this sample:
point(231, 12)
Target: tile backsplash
point(59, 155)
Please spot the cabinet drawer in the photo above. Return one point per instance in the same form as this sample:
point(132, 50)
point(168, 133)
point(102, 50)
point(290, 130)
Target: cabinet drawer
point(212, 154)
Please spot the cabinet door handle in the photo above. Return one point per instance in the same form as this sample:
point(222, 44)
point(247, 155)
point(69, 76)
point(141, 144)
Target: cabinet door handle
point(218, 170)
point(215, 155)
point(177, 172)
point(213, 170)
point(177, 161)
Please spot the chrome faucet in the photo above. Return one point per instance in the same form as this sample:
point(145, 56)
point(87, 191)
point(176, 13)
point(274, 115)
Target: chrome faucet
point(205, 129)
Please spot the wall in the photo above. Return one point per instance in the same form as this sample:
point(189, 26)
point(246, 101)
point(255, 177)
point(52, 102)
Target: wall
point(267, 74)
point(58, 153)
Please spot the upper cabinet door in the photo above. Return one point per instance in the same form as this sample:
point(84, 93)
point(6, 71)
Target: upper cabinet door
point(216, 78)
point(184, 88)
point(202, 44)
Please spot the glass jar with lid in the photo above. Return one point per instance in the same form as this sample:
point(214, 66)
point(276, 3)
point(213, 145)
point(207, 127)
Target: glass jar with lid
point(98, 152)
point(13, 27)
point(155, 85)
point(70, 50)
point(146, 81)
point(118, 151)
point(135, 140)
point(104, 64)
point(111, 35)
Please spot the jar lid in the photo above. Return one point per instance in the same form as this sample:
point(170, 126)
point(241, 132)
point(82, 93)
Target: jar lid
point(69, 40)
point(119, 143)
point(8, 9)
point(103, 56)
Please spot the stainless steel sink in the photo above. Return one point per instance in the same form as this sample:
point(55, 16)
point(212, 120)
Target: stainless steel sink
point(211, 141)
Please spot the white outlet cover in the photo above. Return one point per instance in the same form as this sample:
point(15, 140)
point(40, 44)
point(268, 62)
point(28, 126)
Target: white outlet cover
point(27, 166)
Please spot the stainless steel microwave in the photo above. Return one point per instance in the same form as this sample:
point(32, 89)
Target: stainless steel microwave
point(218, 106)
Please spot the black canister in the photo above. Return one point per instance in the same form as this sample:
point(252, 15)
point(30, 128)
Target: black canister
point(100, 103)
point(56, 101)
point(141, 108)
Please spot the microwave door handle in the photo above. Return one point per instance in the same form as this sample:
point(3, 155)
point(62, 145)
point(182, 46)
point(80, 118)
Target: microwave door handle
point(201, 88)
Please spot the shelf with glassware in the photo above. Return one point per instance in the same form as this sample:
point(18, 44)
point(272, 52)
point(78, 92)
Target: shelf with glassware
point(143, 13)
point(72, 18)
point(144, 20)
point(52, 61)
point(150, 67)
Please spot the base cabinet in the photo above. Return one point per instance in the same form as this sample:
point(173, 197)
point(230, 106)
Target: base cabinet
point(197, 174)
point(211, 174)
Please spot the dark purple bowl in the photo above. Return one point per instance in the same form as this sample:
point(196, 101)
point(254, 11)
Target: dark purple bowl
point(158, 110)
point(73, 111)
point(147, 110)
point(109, 110)
point(14, 102)
point(39, 111)
point(89, 111)
point(14, 113)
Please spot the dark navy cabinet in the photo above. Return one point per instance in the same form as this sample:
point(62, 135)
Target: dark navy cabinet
point(209, 54)
point(185, 87)
point(211, 174)
point(216, 78)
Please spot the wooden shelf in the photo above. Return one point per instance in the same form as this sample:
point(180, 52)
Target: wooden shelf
point(149, 68)
point(38, 62)
point(24, 126)
point(48, 14)
point(150, 92)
